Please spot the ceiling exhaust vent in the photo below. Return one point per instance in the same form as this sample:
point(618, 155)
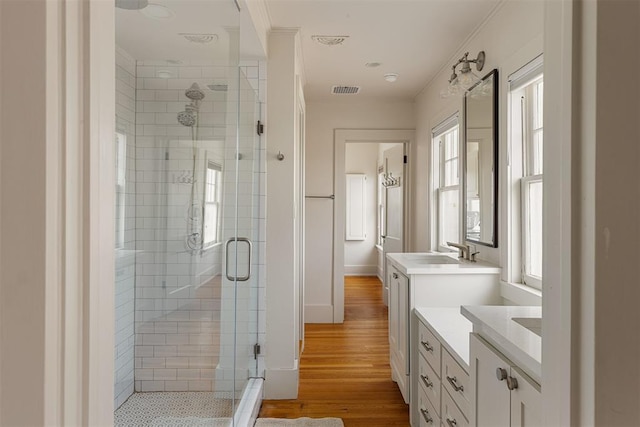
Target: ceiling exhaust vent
point(345, 90)
point(330, 40)
point(200, 38)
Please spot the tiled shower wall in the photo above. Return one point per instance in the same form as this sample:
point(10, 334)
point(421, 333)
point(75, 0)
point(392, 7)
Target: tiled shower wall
point(184, 311)
point(125, 244)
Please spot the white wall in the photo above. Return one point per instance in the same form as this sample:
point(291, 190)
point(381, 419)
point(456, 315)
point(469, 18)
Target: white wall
point(511, 37)
point(23, 280)
point(322, 119)
point(360, 255)
point(606, 247)
point(281, 374)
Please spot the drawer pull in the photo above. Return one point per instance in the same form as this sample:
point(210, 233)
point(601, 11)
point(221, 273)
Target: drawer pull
point(512, 383)
point(452, 381)
point(427, 346)
point(452, 422)
point(501, 374)
point(426, 416)
point(425, 380)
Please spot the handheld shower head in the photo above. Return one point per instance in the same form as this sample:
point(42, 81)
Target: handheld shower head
point(194, 93)
point(189, 117)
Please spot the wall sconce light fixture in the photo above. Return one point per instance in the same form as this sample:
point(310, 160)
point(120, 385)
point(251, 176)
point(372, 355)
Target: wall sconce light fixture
point(459, 84)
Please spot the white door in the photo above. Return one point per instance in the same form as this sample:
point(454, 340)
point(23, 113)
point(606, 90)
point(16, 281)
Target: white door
point(394, 216)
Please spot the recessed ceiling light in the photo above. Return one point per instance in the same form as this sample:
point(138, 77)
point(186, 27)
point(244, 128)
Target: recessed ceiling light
point(164, 74)
point(391, 77)
point(373, 64)
point(156, 11)
point(330, 40)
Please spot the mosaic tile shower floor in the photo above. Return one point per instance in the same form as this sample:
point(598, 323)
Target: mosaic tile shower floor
point(176, 409)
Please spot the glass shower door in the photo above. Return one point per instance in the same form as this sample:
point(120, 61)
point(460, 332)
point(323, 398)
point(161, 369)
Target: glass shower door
point(188, 221)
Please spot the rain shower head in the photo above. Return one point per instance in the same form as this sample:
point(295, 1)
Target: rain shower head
point(194, 93)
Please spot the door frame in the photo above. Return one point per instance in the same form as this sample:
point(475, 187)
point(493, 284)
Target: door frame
point(341, 138)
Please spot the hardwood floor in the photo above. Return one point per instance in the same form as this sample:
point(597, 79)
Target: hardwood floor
point(344, 370)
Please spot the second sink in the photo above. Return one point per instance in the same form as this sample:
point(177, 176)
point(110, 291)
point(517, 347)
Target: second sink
point(534, 324)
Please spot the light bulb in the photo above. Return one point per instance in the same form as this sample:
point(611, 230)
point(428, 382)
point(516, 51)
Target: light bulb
point(467, 80)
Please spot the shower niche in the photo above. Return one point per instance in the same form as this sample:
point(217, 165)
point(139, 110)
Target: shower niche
point(189, 174)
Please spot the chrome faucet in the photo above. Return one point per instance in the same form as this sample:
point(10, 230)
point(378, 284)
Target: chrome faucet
point(465, 251)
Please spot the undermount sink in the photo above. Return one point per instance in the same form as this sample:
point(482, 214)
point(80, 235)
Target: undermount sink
point(432, 259)
point(534, 324)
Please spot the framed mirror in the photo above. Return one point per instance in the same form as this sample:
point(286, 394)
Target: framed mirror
point(481, 162)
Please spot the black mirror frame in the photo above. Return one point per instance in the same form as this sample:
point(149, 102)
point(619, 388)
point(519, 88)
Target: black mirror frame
point(494, 243)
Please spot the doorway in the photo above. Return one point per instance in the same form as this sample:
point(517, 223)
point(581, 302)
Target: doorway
point(343, 138)
point(374, 220)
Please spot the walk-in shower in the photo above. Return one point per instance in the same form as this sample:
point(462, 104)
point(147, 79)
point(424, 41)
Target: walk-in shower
point(187, 219)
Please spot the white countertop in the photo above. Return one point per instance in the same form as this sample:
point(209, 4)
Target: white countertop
point(410, 263)
point(520, 345)
point(451, 329)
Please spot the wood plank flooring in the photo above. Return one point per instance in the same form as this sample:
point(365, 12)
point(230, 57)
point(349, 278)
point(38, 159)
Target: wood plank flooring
point(344, 370)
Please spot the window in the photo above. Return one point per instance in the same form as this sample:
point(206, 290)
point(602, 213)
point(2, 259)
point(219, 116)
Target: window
point(446, 168)
point(121, 175)
point(526, 98)
point(212, 204)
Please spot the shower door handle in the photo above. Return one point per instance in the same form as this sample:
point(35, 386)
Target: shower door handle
point(248, 242)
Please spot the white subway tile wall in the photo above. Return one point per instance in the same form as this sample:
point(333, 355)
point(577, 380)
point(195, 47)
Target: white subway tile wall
point(125, 218)
point(185, 309)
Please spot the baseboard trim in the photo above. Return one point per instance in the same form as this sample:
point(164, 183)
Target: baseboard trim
point(318, 313)
point(360, 270)
point(281, 383)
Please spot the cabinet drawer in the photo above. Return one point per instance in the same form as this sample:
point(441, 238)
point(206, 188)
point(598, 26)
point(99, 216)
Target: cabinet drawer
point(428, 415)
point(429, 382)
point(451, 414)
point(429, 347)
point(456, 381)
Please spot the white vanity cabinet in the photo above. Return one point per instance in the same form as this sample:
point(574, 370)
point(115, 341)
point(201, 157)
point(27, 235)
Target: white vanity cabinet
point(414, 284)
point(503, 394)
point(398, 325)
point(440, 385)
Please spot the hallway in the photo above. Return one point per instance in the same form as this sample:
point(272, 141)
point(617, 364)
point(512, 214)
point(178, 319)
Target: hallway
point(344, 370)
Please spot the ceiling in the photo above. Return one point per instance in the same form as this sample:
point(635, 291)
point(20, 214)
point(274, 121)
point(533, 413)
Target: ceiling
point(413, 38)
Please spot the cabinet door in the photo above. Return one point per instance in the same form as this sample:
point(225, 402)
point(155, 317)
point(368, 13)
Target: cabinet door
point(490, 396)
point(526, 401)
point(403, 322)
point(392, 274)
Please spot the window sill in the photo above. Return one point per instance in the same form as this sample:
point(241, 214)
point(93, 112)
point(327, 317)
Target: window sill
point(520, 294)
point(209, 248)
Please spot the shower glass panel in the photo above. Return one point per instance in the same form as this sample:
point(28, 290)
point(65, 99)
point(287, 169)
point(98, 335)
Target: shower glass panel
point(187, 216)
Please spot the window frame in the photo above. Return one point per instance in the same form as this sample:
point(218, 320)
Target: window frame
point(217, 202)
point(438, 140)
point(522, 165)
point(527, 279)
point(121, 187)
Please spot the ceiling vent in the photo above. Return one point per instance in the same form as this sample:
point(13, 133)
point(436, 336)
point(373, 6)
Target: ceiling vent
point(200, 38)
point(218, 87)
point(345, 90)
point(330, 40)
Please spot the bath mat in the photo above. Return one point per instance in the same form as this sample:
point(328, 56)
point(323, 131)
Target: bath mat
point(190, 422)
point(299, 422)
